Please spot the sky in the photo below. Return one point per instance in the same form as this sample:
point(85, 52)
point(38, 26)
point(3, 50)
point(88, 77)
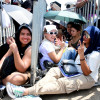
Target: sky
point(60, 1)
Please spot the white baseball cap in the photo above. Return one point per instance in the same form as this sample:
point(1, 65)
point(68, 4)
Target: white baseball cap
point(50, 28)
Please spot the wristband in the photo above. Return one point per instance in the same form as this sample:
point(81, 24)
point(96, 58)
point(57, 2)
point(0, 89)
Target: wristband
point(82, 59)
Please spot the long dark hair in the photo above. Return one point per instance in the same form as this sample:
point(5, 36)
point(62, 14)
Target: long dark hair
point(77, 26)
point(17, 34)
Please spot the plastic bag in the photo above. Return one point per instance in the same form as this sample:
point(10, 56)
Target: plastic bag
point(5, 19)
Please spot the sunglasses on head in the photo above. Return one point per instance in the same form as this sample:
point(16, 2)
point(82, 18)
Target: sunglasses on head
point(86, 35)
point(53, 33)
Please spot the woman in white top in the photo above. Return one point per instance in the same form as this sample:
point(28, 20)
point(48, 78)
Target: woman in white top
point(88, 62)
point(47, 47)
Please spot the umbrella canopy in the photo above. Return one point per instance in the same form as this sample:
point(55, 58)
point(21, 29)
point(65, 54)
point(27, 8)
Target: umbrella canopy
point(18, 13)
point(65, 16)
point(60, 22)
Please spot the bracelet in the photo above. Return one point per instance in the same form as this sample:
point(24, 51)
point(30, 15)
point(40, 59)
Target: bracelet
point(82, 59)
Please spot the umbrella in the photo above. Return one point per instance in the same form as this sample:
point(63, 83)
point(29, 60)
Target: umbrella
point(60, 22)
point(65, 16)
point(18, 13)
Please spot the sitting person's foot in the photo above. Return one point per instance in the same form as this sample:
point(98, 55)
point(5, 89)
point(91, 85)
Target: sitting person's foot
point(14, 91)
point(17, 92)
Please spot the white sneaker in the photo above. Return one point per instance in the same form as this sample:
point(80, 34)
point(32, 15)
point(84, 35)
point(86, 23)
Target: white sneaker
point(14, 91)
point(28, 97)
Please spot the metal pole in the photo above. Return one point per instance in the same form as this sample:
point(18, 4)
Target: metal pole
point(34, 42)
point(1, 23)
point(97, 12)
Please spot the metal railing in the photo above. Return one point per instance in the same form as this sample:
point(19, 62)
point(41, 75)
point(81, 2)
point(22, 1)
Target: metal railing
point(90, 12)
point(6, 32)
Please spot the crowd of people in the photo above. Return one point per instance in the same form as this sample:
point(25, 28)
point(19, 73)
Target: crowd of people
point(70, 43)
point(54, 82)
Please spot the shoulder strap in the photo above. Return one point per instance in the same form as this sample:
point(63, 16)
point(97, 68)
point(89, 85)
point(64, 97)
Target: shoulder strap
point(75, 56)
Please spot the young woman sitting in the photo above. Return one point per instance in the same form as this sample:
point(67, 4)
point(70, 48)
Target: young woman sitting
point(87, 61)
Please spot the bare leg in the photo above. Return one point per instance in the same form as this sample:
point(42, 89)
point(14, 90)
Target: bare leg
point(16, 78)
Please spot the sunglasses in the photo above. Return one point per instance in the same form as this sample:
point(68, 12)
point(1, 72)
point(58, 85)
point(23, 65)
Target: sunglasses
point(53, 33)
point(86, 35)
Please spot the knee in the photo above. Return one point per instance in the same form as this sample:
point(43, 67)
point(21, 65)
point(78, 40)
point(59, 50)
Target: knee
point(16, 79)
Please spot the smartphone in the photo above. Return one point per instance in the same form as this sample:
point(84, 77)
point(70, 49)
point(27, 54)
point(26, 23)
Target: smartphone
point(82, 37)
point(54, 40)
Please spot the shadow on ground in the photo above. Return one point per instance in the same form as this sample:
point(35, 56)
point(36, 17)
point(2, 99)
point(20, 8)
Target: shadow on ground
point(90, 94)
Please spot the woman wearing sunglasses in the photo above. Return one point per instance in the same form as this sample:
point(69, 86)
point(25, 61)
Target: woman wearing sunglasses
point(87, 61)
point(47, 47)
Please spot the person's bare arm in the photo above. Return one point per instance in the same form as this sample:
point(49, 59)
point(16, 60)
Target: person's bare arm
point(81, 3)
point(21, 64)
point(56, 57)
point(6, 1)
point(85, 68)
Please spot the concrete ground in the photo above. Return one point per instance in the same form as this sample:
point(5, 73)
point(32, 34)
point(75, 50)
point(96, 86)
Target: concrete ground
point(90, 94)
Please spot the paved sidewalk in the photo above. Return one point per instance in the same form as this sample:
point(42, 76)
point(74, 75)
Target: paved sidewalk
point(90, 94)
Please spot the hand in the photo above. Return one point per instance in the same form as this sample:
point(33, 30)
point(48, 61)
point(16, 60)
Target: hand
point(62, 43)
point(9, 38)
point(12, 45)
point(59, 42)
point(81, 49)
point(86, 0)
point(8, 1)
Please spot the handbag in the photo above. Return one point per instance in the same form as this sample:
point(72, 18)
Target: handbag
point(69, 67)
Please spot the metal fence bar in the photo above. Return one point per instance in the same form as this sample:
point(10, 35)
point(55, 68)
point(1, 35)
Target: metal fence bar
point(37, 26)
point(1, 23)
point(98, 12)
point(5, 32)
point(90, 12)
